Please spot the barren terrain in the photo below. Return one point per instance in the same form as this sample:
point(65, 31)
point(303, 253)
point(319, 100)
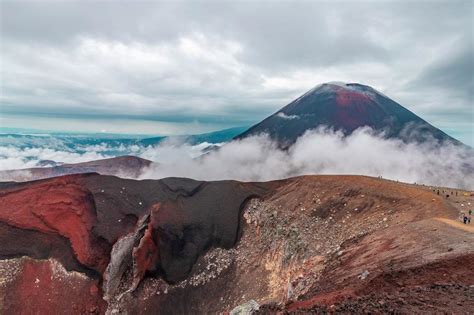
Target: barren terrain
point(100, 244)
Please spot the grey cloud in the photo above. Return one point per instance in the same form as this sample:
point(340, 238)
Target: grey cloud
point(276, 33)
point(111, 59)
point(453, 71)
point(285, 116)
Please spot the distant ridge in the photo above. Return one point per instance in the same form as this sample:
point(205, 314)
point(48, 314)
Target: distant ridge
point(123, 166)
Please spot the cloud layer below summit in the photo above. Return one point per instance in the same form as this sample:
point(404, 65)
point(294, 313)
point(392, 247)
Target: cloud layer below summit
point(320, 151)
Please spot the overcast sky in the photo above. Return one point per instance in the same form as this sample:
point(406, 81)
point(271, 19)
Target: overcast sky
point(190, 67)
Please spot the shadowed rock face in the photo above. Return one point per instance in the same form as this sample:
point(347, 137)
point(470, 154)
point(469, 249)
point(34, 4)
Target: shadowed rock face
point(345, 107)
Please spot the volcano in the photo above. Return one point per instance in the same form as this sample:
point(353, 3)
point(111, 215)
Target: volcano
point(346, 107)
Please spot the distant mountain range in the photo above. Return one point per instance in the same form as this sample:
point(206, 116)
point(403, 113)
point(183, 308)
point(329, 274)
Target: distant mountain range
point(345, 107)
point(69, 141)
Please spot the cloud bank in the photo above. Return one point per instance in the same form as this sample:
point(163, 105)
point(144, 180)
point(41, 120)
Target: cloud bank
point(321, 151)
point(258, 158)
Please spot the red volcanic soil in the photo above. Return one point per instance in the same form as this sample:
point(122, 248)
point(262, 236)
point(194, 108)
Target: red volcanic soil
point(349, 97)
point(354, 109)
point(44, 287)
point(59, 206)
point(92, 243)
point(440, 285)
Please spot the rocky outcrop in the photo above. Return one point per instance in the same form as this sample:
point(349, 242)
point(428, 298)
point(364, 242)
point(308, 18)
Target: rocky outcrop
point(245, 309)
point(30, 286)
point(119, 230)
point(61, 209)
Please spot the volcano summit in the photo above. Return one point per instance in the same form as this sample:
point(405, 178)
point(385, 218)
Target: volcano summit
point(345, 107)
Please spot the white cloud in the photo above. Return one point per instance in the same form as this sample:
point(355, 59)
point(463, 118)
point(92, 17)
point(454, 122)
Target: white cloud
point(15, 158)
point(285, 116)
point(258, 158)
point(323, 152)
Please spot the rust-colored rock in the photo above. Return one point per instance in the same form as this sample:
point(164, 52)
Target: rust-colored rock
point(59, 206)
point(145, 255)
point(45, 287)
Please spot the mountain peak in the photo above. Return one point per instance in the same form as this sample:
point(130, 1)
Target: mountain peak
point(345, 107)
point(338, 87)
point(345, 93)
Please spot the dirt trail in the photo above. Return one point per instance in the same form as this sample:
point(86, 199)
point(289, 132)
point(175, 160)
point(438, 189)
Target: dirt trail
point(456, 224)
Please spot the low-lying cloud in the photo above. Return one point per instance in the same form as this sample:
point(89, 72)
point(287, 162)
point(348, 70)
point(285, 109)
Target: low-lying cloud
point(322, 151)
point(258, 158)
point(285, 116)
point(19, 158)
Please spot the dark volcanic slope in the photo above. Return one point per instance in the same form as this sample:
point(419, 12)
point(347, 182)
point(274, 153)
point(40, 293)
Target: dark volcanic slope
point(110, 229)
point(181, 217)
point(125, 166)
point(345, 107)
